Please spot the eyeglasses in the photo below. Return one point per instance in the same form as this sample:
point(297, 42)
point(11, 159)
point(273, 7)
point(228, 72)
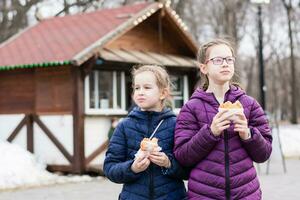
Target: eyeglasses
point(219, 60)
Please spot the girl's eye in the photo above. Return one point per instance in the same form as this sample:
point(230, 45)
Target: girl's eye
point(136, 88)
point(218, 60)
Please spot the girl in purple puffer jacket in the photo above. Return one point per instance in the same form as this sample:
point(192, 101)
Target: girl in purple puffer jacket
point(220, 148)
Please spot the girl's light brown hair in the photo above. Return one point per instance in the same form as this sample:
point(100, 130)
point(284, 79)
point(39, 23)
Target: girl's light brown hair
point(203, 54)
point(161, 75)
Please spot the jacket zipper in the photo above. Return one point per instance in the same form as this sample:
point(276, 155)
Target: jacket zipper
point(227, 176)
point(151, 183)
point(227, 180)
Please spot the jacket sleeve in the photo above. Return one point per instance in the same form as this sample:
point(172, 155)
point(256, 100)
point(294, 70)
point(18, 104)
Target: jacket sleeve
point(176, 170)
point(192, 141)
point(259, 146)
point(116, 167)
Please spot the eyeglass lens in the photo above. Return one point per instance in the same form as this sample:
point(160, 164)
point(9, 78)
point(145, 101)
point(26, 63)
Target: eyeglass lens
point(220, 60)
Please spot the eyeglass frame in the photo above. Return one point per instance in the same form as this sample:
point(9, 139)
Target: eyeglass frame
point(228, 57)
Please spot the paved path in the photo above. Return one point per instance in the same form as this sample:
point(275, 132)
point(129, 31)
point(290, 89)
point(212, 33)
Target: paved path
point(275, 186)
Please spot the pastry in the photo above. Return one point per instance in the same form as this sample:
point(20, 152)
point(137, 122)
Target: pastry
point(149, 144)
point(229, 105)
point(233, 108)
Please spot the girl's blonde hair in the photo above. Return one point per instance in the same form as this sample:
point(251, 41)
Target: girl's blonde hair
point(162, 77)
point(203, 53)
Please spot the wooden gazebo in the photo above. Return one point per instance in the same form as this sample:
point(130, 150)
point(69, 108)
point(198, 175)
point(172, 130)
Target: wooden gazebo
point(79, 65)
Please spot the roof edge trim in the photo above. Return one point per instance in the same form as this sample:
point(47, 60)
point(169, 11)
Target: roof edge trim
point(35, 65)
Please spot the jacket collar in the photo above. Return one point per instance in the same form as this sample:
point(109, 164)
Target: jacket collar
point(233, 94)
point(138, 113)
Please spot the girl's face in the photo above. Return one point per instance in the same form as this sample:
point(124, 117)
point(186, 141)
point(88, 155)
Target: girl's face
point(219, 65)
point(147, 94)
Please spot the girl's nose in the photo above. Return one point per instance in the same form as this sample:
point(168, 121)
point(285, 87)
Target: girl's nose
point(225, 64)
point(140, 92)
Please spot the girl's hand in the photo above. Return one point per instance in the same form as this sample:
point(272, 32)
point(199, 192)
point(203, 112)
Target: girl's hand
point(220, 122)
point(140, 164)
point(241, 126)
point(160, 159)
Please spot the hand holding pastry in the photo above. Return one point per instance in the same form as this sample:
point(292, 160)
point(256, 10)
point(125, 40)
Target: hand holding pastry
point(160, 159)
point(140, 164)
point(241, 126)
point(233, 109)
point(147, 146)
point(220, 122)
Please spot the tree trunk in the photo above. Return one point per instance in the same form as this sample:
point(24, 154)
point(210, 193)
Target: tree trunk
point(293, 82)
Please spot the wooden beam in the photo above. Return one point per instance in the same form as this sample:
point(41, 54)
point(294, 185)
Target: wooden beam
point(78, 120)
point(17, 130)
point(30, 137)
point(59, 168)
point(89, 65)
point(53, 138)
point(95, 169)
point(98, 151)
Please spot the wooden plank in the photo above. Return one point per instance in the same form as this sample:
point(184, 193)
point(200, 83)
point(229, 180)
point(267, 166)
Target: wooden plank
point(60, 168)
point(17, 130)
point(146, 58)
point(98, 169)
point(53, 90)
point(78, 120)
point(146, 37)
point(88, 66)
point(95, 153)
point(17, 91)
point(30, 137)
point(186, 38)
point(53, 138)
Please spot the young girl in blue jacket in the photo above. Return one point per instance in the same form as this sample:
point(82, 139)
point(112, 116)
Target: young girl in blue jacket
point(154, 175)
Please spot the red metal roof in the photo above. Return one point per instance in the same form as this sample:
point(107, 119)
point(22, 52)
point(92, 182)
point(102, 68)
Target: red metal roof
point(60, 39)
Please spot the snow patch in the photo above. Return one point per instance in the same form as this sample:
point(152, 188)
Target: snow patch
point(20, 168)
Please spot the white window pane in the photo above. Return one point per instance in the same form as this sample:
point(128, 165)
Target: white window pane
point(92, 90)
point(107, 90)
point(119, 90)
point(128, 84)
point(177, 90)
point(105, 84)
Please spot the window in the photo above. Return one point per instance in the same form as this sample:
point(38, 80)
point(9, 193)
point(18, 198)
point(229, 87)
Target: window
point(109, 92)
point(105, 92)
point(179, 91)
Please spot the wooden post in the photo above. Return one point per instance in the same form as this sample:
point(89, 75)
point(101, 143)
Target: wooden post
point(30, 137)
point(78, 121)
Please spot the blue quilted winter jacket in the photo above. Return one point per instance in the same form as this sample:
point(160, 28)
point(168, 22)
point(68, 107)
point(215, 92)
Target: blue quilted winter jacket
point(156, 182)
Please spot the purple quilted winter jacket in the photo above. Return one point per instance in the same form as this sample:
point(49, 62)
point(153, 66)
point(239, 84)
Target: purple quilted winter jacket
point(222, 167)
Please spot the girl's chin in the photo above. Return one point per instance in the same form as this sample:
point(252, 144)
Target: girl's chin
point(151, 109)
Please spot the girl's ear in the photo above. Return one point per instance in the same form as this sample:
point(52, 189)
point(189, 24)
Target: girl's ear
point(203, 68)
point(164, 94)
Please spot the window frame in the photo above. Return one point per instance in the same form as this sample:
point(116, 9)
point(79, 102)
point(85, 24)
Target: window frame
point(124, 91)
point(185, 92)
point(105, 111)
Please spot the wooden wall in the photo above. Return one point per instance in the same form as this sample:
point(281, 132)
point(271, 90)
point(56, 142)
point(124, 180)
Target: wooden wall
point(17, 91)
point(53, 90)
point(39, 90)
point(147, 37)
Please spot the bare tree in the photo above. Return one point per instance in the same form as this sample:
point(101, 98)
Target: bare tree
point(81, 5)
point(13, 16)
point(289, 11)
